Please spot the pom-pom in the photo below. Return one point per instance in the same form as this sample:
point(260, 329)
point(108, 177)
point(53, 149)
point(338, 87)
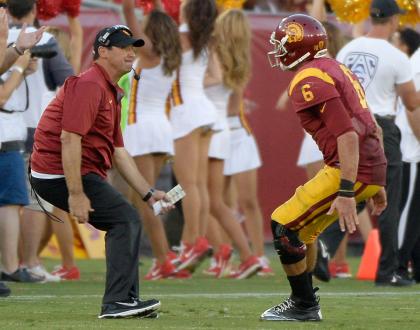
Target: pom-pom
point(351, 11)
point(230, 4)
point(412, 7)
point(47, 9)
point(355, 11)
point(71, 7)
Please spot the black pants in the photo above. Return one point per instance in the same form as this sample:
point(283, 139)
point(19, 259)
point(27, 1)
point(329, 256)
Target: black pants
point(388, 220)
point(114, 215)
point(410, 220)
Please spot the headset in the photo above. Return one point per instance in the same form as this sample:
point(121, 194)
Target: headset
point(104, 38)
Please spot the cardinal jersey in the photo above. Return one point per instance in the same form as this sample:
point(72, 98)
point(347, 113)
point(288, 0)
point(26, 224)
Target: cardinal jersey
point(325, 79)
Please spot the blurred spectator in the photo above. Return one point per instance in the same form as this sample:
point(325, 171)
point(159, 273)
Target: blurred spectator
point(408, 41)
point(384, 72)
point(12, 127)
point(52, 70)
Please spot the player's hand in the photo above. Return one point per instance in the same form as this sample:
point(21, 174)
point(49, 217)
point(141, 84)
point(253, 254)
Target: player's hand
point(378, 202)
point(159, 195)
point(79, 207)
point(347, 214)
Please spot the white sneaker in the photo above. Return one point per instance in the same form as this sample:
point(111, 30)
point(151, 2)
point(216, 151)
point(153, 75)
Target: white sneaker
point(40, 271)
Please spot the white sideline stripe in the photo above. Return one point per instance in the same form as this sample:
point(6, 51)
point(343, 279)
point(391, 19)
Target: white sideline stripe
point(226, 295)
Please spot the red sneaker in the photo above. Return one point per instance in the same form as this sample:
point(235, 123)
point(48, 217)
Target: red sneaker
point(166, 270)
point(212, 270)
point(265, 270)
point(220, 261)
point(65, 273)
point(247, 268)
point(192, 255)
point(173, 257)
point(339, 270)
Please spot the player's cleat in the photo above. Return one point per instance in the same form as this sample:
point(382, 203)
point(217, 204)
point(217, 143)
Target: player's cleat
point(265, 270)
point(4, 290)
point(166, 270)
point(247, 269)
point(41, 272)
point(339, 270)
point(192, 255)
point(129, 308)
point(291, 310)
point(321, 271)
point(148, 315)
point(220, 261)
point(65, 273)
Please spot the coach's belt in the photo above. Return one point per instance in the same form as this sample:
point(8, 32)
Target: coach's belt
point(234, 122)
point(12, 146)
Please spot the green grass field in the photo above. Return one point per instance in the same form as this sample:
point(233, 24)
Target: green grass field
point(203, 303)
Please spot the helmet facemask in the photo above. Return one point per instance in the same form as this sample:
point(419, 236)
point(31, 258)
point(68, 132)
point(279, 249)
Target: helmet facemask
point(278, 52)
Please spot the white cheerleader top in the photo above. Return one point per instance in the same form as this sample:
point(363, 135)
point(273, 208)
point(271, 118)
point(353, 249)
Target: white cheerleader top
point(153, 88)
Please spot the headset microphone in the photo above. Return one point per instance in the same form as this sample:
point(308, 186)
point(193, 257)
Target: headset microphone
point(135, 75)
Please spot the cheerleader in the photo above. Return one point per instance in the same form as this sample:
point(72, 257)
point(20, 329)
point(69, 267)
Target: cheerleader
point(148, 134)
point(230, 70)
point(192, 119)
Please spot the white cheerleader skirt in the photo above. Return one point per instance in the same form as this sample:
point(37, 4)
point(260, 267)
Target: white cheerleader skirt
point(194, 113)
point(244, 155)
point(152, 133)
point(220, 144)
point(309, 152)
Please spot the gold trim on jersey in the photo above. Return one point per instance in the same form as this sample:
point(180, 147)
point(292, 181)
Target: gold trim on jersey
point(310, 72)
point(243, 119)
point(132, 105)
point(175, 96)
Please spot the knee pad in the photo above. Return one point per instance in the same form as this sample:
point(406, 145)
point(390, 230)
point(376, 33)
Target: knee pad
point(287, 244)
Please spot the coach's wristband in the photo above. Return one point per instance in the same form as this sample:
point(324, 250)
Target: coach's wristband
point(148, 195)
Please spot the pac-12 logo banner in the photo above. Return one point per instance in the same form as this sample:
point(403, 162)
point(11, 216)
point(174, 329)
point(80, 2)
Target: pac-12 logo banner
point(363, 65)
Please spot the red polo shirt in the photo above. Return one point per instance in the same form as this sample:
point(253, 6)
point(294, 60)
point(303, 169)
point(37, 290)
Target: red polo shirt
point(88, 105)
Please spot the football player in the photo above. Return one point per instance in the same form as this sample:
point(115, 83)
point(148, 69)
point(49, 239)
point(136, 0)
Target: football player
point(331, 106)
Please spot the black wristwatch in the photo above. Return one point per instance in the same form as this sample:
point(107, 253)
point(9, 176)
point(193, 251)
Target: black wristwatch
point(148, 195)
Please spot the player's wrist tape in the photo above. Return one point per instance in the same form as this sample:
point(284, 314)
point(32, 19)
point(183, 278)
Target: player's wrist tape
point(346, 185)
point(346, 188)
point(148, 195)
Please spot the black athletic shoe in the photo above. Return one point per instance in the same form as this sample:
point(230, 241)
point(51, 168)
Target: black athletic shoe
point(21, 275)
point(395, 280)
point(129, 308)
point(290, 310)
point(4, 290)
point(321, 271)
